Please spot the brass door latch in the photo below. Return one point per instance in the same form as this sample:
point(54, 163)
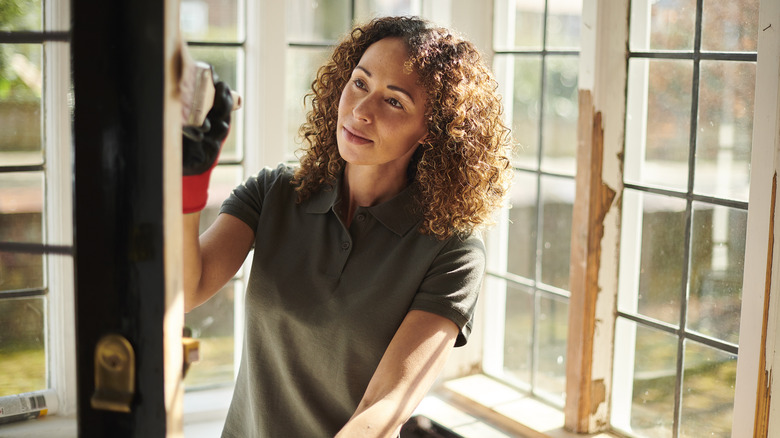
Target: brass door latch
point(114, 374)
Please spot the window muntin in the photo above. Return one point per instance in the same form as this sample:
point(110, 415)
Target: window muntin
point(684, 215)
point(536, 64)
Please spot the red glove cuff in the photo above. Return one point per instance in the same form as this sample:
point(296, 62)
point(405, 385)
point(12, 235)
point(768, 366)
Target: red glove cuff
point(195, 191)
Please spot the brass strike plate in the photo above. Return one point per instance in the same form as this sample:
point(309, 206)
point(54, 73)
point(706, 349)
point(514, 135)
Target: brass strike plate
point(114, 374)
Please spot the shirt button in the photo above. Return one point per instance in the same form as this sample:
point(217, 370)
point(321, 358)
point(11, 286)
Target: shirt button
point(344, 246)
point(361, 217)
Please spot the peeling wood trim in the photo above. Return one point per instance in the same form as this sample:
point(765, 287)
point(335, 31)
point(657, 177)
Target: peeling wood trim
point(763, 390)
point(593, 201)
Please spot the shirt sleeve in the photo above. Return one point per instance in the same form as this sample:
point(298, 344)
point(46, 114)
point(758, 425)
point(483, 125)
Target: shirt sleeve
point(246, 201)
point(452, 284)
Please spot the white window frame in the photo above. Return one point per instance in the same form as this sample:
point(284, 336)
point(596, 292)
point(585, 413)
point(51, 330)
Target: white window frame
point(61, 336)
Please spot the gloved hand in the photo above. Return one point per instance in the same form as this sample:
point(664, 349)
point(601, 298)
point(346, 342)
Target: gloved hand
point(200, 150)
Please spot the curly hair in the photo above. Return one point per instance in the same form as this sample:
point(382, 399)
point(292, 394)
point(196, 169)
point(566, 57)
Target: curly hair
point(462, 170)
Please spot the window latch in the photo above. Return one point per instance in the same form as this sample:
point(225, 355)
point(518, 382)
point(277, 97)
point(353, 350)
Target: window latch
point(114, 374)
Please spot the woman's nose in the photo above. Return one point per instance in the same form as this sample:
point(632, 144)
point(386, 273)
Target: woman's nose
point(363, 110)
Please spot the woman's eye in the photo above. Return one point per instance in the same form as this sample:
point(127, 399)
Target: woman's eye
point(360, 84)
point(394, 102)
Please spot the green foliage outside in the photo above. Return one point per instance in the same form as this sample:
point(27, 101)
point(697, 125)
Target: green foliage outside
point(18, 15)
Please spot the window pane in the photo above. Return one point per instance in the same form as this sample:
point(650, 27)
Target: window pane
point(21, 205)
point(367, 9)
point(22, 345)
point(203, 20)
point(521, 257)
point(226, 62)
point(662, 25)
point(557, 202)
point(729, 26)
point(525, 105)
point(21, 15)
point(212, 324)
point(521, 27)
point(723, 145)
point(708, 391)
point(652, 253)
point(302, 65)
point(20, 104)
point(563, 24)
point(652, 403)
point(518, 332)
point(658, 123)
point(317, 21)
point(551, 345)
point(560, 115)
point(717, 256)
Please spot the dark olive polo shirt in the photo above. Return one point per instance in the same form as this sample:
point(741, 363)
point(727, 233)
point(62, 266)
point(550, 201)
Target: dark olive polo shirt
point(324, 301)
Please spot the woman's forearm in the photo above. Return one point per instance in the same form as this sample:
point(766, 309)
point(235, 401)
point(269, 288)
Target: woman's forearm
point(192, 262)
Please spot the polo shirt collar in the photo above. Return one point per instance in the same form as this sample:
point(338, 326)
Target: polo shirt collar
point(397, 214)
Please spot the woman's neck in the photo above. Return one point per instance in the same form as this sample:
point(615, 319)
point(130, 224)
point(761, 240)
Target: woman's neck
point(363, 186)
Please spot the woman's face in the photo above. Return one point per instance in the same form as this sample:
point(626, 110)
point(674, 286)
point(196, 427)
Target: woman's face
point(382, 110)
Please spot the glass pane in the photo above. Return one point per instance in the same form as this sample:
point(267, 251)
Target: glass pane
point(659, 222)
point(22, 345)
point(224, 179)
point(563, 24)
point(302, 65)
point(367, 9)
point(707, 392)
point(202, 20)
point(652, 404)
point(21, 15)
point(525, 107)
point(317, 21)
point(729, 25)
point(557, 202)
point(20, 104)
point(559, 148)
point(662, 25)
point(21, 205)
point(226, 62)
point(658, 123)
point(717, 257)
point(518, 332)
point(723, 144)
point(521, 28)
point(521, 257)
point(212, 324)
point(551, 345)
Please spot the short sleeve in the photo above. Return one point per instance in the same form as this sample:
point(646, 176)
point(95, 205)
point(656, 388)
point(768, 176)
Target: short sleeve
point(452, 284)
point(246, 200)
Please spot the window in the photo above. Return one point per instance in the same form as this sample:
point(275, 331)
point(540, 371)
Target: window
point(215, 33)
point(527, 288)
point(671, 100)
point(689, 125)
point(36, 233)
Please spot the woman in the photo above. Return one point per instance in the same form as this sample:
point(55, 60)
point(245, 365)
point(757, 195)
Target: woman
point(367, 258)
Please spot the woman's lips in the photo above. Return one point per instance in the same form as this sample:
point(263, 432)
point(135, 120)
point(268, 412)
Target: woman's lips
point(353, 137)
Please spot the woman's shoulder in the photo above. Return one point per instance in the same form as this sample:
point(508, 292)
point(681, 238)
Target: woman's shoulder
point(268, 177)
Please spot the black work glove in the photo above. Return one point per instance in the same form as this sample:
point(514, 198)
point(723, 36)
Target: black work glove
point(201, 147)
